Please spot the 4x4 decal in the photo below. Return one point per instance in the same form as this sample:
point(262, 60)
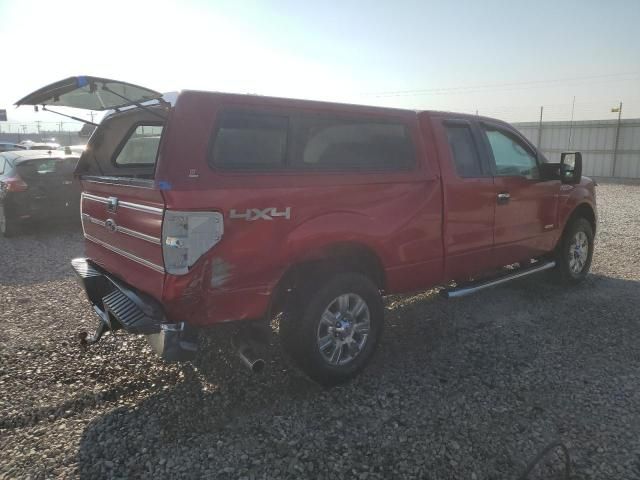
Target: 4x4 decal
point(252, 214)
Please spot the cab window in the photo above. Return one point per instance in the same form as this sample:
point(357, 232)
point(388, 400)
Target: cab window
point(464, 151)
point(511, 156)
point(248, 140)
point(336, 143)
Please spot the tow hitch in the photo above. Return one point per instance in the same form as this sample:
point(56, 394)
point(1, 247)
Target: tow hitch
point(104, 325)
point(119, 306)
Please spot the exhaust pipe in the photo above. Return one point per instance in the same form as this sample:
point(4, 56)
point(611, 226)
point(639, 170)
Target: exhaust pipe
point(248, 356)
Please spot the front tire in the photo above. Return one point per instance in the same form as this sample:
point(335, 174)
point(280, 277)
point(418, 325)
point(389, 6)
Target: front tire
point(332, 330)
point(575, 251)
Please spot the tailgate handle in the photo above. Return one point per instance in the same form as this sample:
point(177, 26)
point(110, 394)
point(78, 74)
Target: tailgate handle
point(112, 204)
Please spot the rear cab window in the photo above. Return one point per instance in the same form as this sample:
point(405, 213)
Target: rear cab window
point(297, 141)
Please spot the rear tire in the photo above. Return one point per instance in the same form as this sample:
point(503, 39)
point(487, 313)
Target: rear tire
point(8, 226)
point(575, 251)
point(331, 331)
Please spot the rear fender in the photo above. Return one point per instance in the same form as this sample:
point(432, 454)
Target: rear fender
point(315, 238)
point(317, 252)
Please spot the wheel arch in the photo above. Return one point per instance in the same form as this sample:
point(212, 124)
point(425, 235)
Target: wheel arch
point(334, 258)
point(583, 210)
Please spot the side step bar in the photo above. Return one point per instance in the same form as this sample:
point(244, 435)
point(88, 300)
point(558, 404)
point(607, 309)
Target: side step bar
point(473, 288)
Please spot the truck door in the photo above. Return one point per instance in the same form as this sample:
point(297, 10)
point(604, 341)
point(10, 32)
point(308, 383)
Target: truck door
point(526, 204)
point(469, 198)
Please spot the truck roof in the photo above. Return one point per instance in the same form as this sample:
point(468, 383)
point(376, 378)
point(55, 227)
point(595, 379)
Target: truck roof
point(293, 101)
point(297, 102)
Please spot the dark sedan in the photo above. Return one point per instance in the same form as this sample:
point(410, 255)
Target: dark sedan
point(36, 185)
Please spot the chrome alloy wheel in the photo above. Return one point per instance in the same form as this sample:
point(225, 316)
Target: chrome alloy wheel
point(578, 252)
point(343, 329)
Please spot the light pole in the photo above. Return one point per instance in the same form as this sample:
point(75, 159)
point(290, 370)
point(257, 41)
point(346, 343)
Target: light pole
point(615, 146)
point(540, 128)
point(573, 107)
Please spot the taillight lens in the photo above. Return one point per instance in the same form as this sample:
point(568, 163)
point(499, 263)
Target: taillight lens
point(186, 236)
point(14, 184)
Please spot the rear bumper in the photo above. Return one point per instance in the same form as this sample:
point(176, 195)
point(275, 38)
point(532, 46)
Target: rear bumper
point(120, 306)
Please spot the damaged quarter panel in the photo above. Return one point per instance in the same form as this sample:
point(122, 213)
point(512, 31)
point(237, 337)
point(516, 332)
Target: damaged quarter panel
point(236, 278)
point(213, 291)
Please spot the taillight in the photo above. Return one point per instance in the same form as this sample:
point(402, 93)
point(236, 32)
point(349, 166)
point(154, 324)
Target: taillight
point(186, 236)
point(14, 184)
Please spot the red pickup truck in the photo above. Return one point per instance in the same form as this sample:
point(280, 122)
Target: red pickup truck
point(209, 208)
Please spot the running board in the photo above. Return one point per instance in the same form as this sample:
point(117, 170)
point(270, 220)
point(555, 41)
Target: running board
point(473, 288)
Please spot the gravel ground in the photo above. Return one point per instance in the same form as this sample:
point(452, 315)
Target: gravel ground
point(470, 388)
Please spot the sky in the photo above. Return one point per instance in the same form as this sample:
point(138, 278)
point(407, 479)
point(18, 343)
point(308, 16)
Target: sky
point(500, 58)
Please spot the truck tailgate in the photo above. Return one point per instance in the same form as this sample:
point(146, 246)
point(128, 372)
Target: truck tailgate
point(122, 222)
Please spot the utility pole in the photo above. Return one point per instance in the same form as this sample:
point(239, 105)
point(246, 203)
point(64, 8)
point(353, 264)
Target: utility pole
point(573, 107)
point(540, 128)
point(615, 146)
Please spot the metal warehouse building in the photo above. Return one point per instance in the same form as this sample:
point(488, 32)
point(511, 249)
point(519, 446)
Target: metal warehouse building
point(609, 148)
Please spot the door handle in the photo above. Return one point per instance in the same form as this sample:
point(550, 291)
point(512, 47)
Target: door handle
point(503, 197)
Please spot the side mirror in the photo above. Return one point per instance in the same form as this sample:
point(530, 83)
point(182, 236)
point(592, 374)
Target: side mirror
point(571, 167)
